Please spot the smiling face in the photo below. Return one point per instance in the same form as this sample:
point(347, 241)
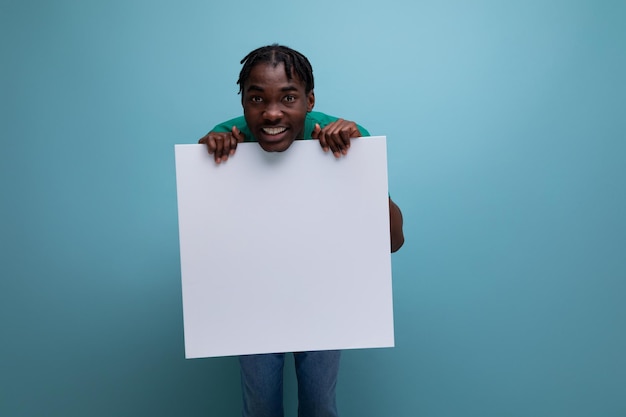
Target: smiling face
point(275, 106)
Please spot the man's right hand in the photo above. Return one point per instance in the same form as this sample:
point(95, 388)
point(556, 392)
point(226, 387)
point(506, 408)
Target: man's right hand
point(221, 144)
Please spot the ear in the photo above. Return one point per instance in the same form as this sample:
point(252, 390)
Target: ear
point(310, 98)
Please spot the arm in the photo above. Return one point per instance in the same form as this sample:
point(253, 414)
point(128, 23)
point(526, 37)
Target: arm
point(395, 226)
point(336, 137)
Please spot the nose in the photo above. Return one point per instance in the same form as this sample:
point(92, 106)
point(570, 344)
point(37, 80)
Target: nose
point(272, 112)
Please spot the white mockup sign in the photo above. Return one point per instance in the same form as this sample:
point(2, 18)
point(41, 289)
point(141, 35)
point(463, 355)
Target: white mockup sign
point(284, 252)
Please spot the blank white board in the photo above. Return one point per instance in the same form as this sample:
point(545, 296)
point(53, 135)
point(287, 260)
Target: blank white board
point(284, 252)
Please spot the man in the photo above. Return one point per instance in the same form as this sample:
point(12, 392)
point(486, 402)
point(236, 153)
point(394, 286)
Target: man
point(276, 87)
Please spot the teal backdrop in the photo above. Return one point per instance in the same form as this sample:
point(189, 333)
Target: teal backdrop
point(506, 126)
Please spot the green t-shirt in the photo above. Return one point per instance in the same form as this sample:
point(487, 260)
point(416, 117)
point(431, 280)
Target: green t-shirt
point(312, 118)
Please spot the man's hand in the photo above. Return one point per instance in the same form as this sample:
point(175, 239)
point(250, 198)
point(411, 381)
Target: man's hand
point(222, 145)
point(336, 136)
point(395, 226)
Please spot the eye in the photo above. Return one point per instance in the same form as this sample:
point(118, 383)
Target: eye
point(256, 99)
point(290, 98)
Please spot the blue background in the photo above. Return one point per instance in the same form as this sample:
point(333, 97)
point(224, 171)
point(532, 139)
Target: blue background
point(506, 128)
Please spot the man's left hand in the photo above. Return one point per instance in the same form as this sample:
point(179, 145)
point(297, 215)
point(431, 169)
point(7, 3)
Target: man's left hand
point(336, 136)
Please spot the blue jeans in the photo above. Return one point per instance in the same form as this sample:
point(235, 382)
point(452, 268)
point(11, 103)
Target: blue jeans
point(262, 384)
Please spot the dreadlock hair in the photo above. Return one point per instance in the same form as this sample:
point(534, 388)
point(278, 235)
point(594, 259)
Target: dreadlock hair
point(294, 61)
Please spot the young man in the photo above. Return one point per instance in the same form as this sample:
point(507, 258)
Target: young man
point(276, 87)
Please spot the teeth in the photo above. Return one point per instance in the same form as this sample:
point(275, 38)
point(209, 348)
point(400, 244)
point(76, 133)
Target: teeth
point(274, 130)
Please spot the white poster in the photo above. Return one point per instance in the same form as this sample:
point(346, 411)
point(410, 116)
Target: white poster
point(284, 252)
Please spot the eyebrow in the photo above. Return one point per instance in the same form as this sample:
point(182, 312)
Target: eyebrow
point(259, 88)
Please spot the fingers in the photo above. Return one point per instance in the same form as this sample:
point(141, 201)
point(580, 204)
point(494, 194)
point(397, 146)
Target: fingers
point(221, 145)
point(336, 136)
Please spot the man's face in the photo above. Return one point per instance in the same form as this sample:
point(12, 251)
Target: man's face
point(275, 107)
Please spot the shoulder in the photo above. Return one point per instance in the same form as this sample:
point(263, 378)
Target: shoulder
point(323, 119)
point(228, 124)
point(241, 124)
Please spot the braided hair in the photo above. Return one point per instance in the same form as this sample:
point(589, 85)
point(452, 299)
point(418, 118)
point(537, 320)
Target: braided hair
point(275, 54)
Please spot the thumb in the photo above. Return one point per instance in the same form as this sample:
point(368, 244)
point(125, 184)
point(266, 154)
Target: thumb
point(316, 131)
point(237, 134)
point(316, 135)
